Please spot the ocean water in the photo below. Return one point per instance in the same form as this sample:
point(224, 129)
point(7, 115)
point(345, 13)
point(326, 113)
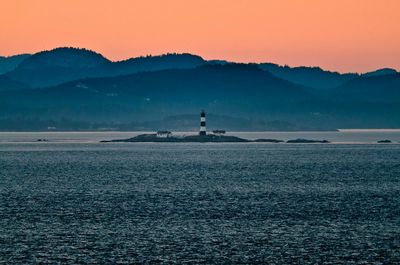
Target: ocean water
point(85, 202)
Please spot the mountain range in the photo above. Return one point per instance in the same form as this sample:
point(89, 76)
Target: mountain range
point(74, 89)
point(49, 68)
point(11, 62)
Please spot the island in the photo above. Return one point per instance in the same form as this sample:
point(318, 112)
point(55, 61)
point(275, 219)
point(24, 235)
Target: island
point(268, 141)
point(209, 138)
point(306, 141)
point(143, 138)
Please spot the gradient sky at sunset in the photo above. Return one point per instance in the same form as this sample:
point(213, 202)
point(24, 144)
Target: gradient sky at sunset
point(342, 35)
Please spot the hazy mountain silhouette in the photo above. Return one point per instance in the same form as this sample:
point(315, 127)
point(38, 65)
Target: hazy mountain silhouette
point(11, 62)
point(314, 77)
point(75, 88)
point(8, 84)
point(233, 88)
point(49, 68)
point(383, 71)
point(370, 88)
point(61, 65)
point(57, 66)
point(239, 90)
point(155, 63)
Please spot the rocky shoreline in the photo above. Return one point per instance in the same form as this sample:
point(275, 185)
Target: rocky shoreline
point(210, 138)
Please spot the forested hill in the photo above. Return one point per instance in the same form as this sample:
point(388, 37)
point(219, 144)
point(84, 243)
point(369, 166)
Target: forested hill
point(77, 86)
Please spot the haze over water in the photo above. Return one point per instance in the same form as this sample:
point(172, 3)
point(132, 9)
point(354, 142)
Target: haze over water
point(341, 136)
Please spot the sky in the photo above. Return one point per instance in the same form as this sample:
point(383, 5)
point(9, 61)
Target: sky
point(339, 35)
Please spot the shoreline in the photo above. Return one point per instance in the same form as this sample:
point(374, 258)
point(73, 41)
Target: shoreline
point(350, 137)
point(58, 142)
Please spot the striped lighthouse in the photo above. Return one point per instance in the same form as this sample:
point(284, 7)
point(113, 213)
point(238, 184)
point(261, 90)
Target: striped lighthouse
point(202, 123)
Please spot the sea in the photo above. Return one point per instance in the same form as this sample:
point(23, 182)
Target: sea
point(73, 200)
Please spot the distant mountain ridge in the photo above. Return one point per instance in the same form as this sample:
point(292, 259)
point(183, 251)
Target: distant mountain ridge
point(313, 77)
point(383, 71)
point(11, 84)
point(78, 87)
point(53, 67)
point(243, 91)
point(9, 63)
point(49, 68)
point(231, 88)
point(373, 88)
point(63, 58)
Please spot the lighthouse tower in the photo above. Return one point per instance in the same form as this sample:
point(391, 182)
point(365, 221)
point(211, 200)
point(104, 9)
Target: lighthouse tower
point(202, 123)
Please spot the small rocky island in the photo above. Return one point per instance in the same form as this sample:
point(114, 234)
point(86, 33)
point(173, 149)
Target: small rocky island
point(209, 138)
point(307, 141)
point(216, 137)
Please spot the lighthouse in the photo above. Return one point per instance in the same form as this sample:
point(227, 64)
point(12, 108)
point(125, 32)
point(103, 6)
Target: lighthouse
point(202, 123)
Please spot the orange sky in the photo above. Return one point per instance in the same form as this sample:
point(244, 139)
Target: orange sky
point(343, 35)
